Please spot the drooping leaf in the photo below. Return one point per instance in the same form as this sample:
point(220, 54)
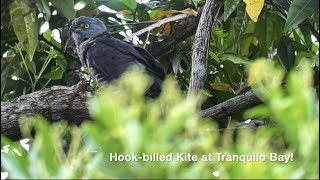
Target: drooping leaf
point(283, 3)
point(241, 19)
point(214, 56)
point(233, 58)
point(31, 65)
point(55, 73)
point(286, 52)
point(160, 14)
point(300, 10)
point(176, 64)
point(66, 8)
point(167, 13)
point(43, 5)
point(316, 16)
point(253, 8)
point(4, 76)
point(25, 25)
point(250, 37)
point(187, 11)
point(229, 7)
point(165, 29)
point(221, 86)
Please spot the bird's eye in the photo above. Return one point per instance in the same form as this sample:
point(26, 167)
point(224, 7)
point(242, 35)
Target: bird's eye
point(86, 25)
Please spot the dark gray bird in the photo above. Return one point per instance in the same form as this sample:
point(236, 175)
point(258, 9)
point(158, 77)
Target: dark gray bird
point(109, 57)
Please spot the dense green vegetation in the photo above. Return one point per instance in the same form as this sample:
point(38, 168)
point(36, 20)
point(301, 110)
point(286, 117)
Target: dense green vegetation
point(271, 47)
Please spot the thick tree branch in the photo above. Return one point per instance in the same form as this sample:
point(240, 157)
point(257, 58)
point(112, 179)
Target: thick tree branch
point(208, 19)
point(55, 104)
point(242, 102)
point(166, 46)
point(232, 106)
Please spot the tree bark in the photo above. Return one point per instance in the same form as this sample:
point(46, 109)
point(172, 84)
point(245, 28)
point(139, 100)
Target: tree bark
point(201, 43)
point(69, 103)
point(158, 49)
point(55, 104)
point(232, 106)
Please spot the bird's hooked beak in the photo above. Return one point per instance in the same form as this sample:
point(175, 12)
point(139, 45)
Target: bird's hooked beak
point(76, 30)
point(73, 29)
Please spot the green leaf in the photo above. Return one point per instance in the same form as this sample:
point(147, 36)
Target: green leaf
point(300, 10)
point(132, 4)
point(90, 9)
point(48, 36)
point(286, 52)
point(241, 19)
point(114, 5)
point(214, 56)
point(55, 73)
point(4, 76)
point(316, 17)
point(221, 86)
point(25, 25)
point(31, 65)
point(234, 58)
point(229, 7)
point(43, 5)
point(283, 3)
point(66, 8)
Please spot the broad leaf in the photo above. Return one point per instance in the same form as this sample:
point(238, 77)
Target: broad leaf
point(253, 8)
point(55, 73)
point(4, 76)
point(286, 52)
point(229, 7)
point(25, 25)
point(316, 16)
point(221, 86)
point(300, 10)
point(214, 56)
point(233, 58)
point(132, 4)
point(66, 8)
point(31, 65)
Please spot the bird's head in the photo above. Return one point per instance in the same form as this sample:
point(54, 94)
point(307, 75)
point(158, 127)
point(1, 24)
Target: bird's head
point(83, 28)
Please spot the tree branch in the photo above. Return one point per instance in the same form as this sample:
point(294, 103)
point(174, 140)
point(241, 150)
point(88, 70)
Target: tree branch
point(157, 24)
point(242, 102)
point(158, 49)
point(208, 19)
point(231, 106)
point(55, 104)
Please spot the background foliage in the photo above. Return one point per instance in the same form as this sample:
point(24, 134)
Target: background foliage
point(124, 123)
point(36, 54)
point(34, 57)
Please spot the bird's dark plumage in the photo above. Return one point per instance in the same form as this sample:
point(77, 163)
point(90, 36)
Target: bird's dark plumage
point(109, 57)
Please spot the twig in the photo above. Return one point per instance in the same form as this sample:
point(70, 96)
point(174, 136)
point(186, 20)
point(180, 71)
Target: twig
point(134, 23)
point(68, 55)
point(158, 24)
